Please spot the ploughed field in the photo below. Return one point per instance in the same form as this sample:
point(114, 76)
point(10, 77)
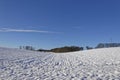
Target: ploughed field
point(96, 64)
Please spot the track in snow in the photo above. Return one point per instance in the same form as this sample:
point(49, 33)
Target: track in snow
point(98, 64)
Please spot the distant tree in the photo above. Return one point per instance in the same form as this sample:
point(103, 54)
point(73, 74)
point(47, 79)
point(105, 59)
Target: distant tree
point(100, 45)
point(107, 45)
point(43, 50)
point(20, 47)
point(27, 47)
point(88, 48)
point(81, 48)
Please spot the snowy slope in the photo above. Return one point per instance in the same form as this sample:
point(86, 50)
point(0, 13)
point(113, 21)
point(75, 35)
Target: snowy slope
point(97, 64)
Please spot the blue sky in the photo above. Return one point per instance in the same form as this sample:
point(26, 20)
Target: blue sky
point(55, 23)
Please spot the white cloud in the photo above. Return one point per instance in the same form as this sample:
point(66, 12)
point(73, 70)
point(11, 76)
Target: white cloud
point(24, 30)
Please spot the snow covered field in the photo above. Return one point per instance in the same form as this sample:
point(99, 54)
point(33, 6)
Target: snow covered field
point(97, 64)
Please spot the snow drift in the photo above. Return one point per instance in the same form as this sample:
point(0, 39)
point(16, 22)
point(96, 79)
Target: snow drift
point(97, 64)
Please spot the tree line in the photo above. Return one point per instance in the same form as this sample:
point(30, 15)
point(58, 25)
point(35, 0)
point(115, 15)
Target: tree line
point(72, 48)
point(56, 50)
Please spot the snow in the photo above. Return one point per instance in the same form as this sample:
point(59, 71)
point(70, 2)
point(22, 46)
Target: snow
point(96, 64)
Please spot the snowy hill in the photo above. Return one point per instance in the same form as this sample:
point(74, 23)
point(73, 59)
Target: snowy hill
point(97, 64)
